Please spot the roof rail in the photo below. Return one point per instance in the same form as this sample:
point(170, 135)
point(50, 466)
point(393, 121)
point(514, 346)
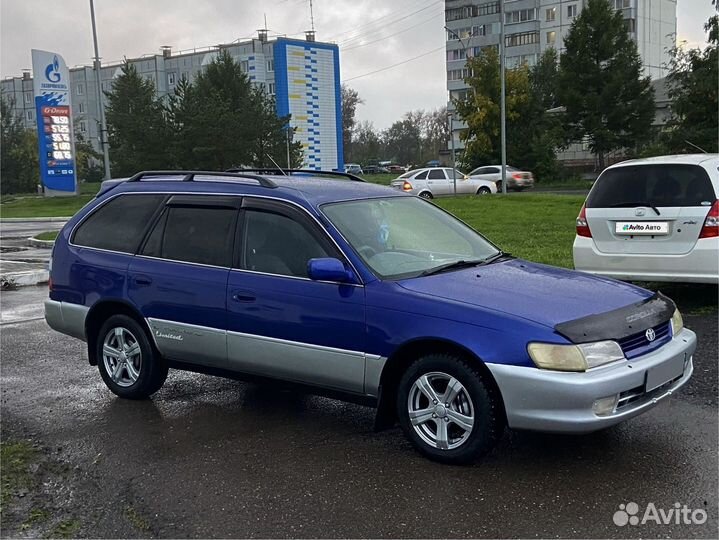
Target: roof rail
point(189, 176)
point(285, 172)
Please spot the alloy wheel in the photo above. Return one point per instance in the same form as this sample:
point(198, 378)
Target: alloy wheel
point(122, 356)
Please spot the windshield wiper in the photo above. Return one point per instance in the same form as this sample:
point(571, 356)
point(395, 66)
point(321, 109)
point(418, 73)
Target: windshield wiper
point(456, 265)
point(639, 203)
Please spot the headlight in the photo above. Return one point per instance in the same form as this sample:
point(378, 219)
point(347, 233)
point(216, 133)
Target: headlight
point(574, 357)
point(677, 322)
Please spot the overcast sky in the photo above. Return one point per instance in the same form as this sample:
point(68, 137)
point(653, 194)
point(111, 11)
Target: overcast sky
point(372, 35)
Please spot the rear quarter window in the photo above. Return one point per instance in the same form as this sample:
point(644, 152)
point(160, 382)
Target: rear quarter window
point(652, 185)
point(119, 224)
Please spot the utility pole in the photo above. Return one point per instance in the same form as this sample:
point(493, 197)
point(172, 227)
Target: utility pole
point(289, 163)
point(502, 104)
point(103, 124)
point(451, 142)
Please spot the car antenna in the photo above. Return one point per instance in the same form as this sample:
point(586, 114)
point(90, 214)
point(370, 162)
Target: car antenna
point(275, 163)
point(695, 146)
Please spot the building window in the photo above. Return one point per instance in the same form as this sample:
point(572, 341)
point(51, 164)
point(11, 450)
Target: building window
point(80, 89)
point(520, 15)
point(456, 54)
point(81, 107)
point(271, 88)
point(28, 114)
point(551, 14)
point(479, 50)
point(630, 25)
point(186, 75)
point(244, 66)
point(28, 97)
point(622, 4)
point(171, 79)
point(572, 11)
point(551, 37)
point(270, 65)
point(522, 38)
point(466, 12)
point(83, 127)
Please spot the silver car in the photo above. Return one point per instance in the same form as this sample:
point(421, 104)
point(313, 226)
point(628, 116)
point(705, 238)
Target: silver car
point(517, 180)
point(438, 181)
point(654, 219)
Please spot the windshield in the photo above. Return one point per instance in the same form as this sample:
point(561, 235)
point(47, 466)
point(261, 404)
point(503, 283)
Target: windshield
point(401, 237)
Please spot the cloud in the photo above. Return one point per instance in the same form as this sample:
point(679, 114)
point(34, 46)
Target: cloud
point(398, 30)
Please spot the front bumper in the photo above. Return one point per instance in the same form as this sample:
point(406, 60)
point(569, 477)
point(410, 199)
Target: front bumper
point(561, 402)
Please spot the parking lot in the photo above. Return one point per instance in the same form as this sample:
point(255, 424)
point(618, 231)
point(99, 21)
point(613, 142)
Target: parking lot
point(208, 457)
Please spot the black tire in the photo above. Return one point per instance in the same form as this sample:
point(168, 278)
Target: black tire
point(426, 195)
point(152, 368)
point(499, 186)
point(488, 413)
point(483, 191)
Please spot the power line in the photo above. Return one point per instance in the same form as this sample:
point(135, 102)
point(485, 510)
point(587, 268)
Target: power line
point(388, 23)
point(345, 49)
point(395, 65)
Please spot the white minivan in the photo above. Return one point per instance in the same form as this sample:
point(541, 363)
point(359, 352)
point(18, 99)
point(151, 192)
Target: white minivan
point(654, 219)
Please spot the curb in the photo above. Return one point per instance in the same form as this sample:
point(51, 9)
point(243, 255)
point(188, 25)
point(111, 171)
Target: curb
point(44, 244)
point(28, 277)
point(46, 219)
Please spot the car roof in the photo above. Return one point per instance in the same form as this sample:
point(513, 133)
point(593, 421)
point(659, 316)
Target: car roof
point(687, 159)
point(315, 190)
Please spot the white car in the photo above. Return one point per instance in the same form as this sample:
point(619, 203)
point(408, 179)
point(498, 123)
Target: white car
point(438, 181)
point(353, 168)
point(517, 180)
point(654, 219)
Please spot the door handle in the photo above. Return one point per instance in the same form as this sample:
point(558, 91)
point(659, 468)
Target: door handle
point(142, 280)
point(243, 296)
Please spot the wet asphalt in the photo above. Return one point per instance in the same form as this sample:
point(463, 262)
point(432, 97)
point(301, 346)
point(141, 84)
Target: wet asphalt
point(209, 457)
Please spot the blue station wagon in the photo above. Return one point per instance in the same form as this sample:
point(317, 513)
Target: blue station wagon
point(358, 292)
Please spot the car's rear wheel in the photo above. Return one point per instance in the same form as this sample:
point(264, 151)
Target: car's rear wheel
point(483, 191)
point(426, 195)
point(448, 410)
point(127, 361)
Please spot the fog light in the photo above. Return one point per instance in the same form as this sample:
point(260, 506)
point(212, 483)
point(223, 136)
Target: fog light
point(605, 406)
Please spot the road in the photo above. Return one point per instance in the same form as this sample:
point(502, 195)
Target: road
point(15, 255)
point(208, 457)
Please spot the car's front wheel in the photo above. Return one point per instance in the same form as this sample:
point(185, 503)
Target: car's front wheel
point(448, 410)
point(127, 361)
point(483, 191)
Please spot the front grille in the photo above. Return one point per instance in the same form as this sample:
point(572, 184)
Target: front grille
point(638, 344)
point(637, 396)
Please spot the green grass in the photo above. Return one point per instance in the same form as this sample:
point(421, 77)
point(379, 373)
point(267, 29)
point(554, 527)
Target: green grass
point(15, 461)
point(32, 205)
point(535, 227)
point(65, 529)
point(47, 235)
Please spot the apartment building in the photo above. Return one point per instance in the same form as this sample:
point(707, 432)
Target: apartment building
point(303, 75)
point(532, 26)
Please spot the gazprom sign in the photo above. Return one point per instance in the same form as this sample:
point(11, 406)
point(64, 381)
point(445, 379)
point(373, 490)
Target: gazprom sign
point(51, 86)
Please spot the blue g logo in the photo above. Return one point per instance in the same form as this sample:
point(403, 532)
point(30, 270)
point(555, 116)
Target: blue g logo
point(52, 71)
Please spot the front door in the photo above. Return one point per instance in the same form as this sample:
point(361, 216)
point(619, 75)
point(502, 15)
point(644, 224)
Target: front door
point(281, 323)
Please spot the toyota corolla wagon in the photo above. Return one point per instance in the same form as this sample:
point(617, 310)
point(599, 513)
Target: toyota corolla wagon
point(359, 292)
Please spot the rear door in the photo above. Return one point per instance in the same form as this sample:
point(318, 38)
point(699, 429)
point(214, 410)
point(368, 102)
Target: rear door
point(438, 182)
point(179, 278)
point(654, 209)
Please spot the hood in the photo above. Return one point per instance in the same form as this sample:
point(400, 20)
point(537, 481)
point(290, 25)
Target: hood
point(543, 294)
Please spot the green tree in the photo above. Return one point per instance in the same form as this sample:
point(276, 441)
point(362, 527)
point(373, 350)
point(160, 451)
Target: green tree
point(19, 167)
point(221, 121)
point(366, 144)
point(601, 85)
point(350, 100)
point(692, 82)
point(137, 127)
point(402, 141)
point(87, 160)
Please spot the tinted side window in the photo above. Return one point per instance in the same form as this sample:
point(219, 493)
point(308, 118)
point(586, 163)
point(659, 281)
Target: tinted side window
point(436, 174)
point(119, 224)
point(421, 176)
point(276, 244)
point(655, 185)
point(493, 170)
point(201, 235)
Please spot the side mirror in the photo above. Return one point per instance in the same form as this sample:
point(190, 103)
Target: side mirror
point(328, 269)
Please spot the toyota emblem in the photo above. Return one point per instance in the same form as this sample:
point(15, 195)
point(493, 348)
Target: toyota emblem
point(651, 336)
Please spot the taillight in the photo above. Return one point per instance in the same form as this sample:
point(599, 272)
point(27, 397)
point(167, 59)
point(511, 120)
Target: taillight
point(582, 225)
point(406, 186)
point(517, 176)
point(711, 223)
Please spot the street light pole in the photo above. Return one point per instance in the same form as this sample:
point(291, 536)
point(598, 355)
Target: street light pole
point(103, 125)
point(451, 139)
point(502, 99)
